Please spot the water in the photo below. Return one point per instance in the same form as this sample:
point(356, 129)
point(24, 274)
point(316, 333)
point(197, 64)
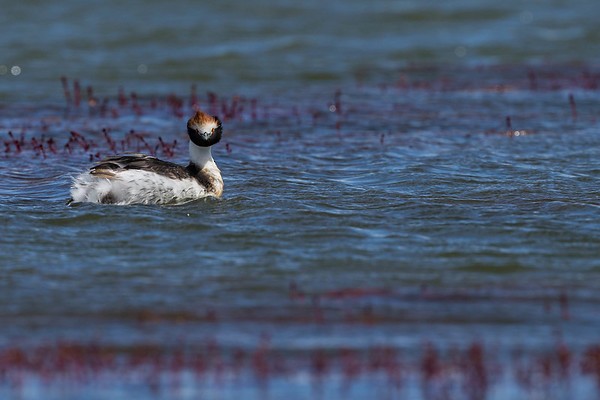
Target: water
point(384, 229)
point(234, 47)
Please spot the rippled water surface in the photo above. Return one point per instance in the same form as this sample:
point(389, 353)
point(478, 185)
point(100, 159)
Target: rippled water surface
point(407, 213)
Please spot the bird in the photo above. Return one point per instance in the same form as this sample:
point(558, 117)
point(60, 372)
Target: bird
point(143, 179)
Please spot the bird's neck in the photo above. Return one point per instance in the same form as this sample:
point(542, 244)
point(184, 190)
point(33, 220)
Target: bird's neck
point(200, 156)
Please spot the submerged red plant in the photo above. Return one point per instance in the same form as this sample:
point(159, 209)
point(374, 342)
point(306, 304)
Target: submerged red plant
point(573, 107)
point(85, 364)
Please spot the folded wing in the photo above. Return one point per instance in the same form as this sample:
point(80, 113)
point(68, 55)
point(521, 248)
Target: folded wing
point(111, 166)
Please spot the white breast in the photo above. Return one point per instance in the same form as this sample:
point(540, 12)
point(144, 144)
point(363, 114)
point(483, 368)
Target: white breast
point(136, 186)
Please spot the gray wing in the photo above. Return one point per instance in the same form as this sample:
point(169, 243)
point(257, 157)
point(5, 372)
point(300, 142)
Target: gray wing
point(110, 166)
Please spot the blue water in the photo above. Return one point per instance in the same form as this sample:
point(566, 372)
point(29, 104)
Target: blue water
point(236, 47)
point(376, 197)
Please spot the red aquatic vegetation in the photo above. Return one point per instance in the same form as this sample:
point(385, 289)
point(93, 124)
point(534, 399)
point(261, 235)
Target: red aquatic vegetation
point(238, 360)
point(351, 364)
point(104, 107)
point(344, 109)
point(510, 131)
point(508, 124)
point(122, 99)
point(260, 360)
point(355, 292)
point(168, 149)
point(573, 107)
point(140, 141)
point(176, 105)
point(213, 101)
point(91, 100)
point(295, 293)
point(38, 147)
point(316, 115)
point(564, 357)
point(51, 145)
point(137, 109)
point(194, 98)
point(76, 93)
point(232, 109)
point(430, 364)
point(590, 79)
point(532, 80)
point(111, 143)
point(18, 143)
point(337, 101)
point(81, 364)
point(253, 107)
point(590, 363)
point(66, 91)
point(475, 372)
point(386, 358)
point(80, 140)
point(318, 314)
point(319, 363)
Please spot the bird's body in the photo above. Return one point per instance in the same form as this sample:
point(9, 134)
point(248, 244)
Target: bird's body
point(142, 179)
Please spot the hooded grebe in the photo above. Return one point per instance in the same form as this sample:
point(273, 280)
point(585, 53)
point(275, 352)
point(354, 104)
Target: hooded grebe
point(142, 179)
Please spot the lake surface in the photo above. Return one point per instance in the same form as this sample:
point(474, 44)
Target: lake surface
point(411, 205)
